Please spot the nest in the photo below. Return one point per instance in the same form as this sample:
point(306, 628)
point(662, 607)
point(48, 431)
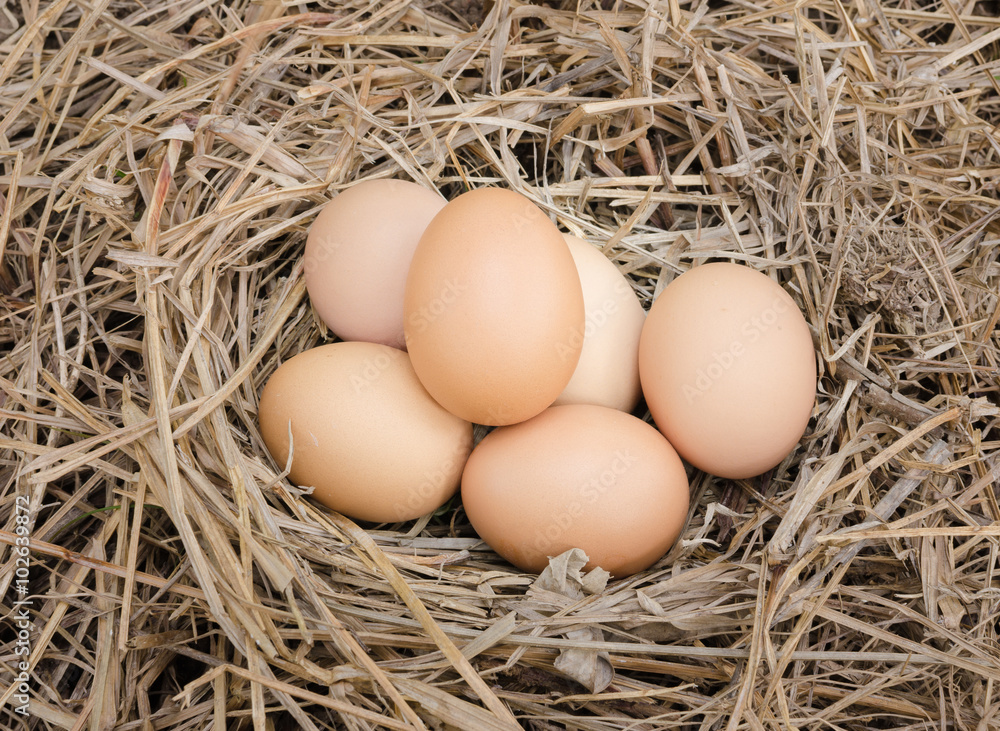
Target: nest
point(161, 163)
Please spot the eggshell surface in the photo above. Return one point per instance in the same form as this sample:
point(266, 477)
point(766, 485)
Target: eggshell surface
point(358, 253)
point(577, 476)
point(365, 434)
point(492, 307)
point(607, 373)
point(728, 369)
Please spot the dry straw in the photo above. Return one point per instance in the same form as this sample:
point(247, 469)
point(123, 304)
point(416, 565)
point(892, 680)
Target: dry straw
point(161, 163)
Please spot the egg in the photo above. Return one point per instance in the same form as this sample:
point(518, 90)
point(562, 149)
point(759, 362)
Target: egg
point(493, 308)
point(364, 433)
point(607, 373)
point(358, 253)
point(728, 369)
point(577, 476)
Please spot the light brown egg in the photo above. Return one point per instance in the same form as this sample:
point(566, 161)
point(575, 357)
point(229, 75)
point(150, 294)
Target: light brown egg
point(365, 434)
point(728, 369)
point(577, 476)
point(358, 253)
point(492, 308)
point(607, 373)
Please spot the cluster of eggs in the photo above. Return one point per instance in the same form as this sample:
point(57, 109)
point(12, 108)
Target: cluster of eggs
point(479, 311)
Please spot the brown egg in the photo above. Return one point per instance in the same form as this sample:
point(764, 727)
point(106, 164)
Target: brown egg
point(493, 308)
point(365, 434)
point(728, 369)
point(358, 253)
point(577, 476)
point(608, 371)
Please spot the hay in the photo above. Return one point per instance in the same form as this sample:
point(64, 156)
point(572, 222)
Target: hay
point(161, 163)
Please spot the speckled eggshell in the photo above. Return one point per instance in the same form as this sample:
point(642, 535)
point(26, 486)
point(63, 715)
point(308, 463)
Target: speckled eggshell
point(608, 371)
point(358, 254)
point(728, 369)
point(577, 476)
point(492, 309)
point(366, 435)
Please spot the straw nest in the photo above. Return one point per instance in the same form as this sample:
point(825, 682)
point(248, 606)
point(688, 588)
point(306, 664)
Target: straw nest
point(161, 163)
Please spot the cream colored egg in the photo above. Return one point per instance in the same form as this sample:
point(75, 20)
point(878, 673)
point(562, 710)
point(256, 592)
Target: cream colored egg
point(358, 254)
point(364, 433)
point(728, 369)
point(607, 373)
